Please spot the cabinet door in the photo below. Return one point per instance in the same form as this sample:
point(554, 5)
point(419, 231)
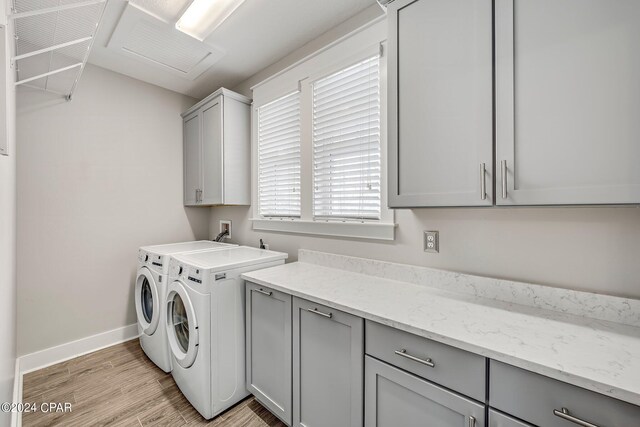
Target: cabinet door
point(268, 346)
point(567, 102)
point(237, 152)
point(192, 154)
point(327, 366)
point(397, 398)
point(440, 103)
point(212, 146)
point(496, 419)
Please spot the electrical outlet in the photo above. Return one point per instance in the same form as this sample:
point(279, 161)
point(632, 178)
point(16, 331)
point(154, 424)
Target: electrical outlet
point(225, 224)
point(431, 242)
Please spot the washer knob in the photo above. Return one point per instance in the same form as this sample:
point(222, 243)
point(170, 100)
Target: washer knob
point(146, 258)
point(180, 271)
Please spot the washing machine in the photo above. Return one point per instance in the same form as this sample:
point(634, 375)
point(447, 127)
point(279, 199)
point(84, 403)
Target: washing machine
point(151, 294)
point(206, 324)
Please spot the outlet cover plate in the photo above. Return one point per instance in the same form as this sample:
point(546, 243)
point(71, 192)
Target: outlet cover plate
point(431, 242)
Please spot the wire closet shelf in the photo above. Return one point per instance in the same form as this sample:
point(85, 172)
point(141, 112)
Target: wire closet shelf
point(53, 39)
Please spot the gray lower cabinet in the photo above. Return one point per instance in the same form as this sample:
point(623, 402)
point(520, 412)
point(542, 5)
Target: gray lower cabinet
point(268, 346)
point(546, 402)
point(496, 419)
point(328, 350)
point(306, 363)
point(396, 398)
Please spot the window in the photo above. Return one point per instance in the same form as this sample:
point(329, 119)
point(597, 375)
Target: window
point(279, 157)
point(319, 147)
point(346, 143)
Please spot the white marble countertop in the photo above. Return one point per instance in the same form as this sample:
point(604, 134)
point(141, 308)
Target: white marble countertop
point(598, 355)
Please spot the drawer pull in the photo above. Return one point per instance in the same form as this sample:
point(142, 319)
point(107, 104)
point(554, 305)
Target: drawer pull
point(263, 292)
point(564, 414)
point(472, 421)
point(427, 362)
point(315, 311)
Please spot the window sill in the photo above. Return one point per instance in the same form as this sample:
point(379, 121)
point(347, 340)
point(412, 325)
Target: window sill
point(358, 230)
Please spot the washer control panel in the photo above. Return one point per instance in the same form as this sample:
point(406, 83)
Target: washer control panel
point(194, 274)
point(149, 259)
point(187, 273)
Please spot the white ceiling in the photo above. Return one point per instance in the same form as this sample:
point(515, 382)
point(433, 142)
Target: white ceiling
point(257, 34)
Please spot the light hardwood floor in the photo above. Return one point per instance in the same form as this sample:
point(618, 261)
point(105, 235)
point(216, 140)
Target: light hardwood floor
point(120, 386)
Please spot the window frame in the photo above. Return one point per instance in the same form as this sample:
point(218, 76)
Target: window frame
point(279, 86)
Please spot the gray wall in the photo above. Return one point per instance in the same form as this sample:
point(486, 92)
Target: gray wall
point(592, 249)
point(7, 229)
point(97, 178)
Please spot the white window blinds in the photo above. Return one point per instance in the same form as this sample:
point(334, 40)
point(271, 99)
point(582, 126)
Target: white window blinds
point(279, 157)
point(346, 143)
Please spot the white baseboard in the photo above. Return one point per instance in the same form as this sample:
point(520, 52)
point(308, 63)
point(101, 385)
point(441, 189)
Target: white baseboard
point(16, 416)
point(51, 356)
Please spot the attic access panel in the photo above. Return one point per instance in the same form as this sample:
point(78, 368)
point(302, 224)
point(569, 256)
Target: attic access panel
point(144, 37)
point(53, 39)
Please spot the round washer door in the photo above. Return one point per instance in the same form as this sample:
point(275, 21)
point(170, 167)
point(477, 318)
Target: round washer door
point(182, 329)
point(147, 301)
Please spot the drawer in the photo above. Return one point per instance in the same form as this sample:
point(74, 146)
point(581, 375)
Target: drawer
point(496, 419)
point(453, 368)
point(539, 400)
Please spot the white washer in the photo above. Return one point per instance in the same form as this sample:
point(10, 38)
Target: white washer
point(205, 324)
point(151, 294)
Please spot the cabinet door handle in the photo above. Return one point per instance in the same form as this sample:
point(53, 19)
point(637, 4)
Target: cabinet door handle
point(503, 167)
point(472, 421)
point(262, 291)
point(483, 181)
point(315, 311)
point(565, 415)
point(427, 362)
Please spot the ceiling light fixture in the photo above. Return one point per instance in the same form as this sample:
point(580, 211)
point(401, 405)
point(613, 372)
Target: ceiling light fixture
point(202, 17)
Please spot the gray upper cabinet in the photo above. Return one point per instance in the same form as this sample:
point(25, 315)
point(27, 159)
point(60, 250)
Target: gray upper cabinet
point(328, 351)
point(217, 151)
point(396, 398)
point(191, 130)
point(212, 153)
point(567, 102)
point(268, 349)
point(440, 103)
